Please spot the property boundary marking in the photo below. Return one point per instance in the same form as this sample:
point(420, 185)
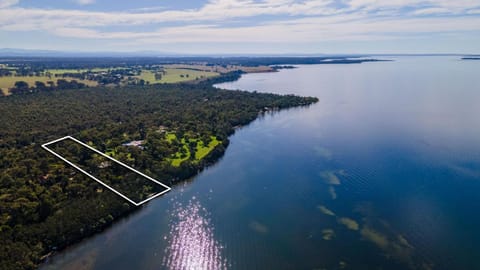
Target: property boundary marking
point(167, 188)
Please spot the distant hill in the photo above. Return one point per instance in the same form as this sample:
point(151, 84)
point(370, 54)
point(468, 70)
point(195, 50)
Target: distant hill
point(9, 52)
point(471, 57)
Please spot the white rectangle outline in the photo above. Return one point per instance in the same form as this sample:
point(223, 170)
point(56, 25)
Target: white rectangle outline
point(44, 146)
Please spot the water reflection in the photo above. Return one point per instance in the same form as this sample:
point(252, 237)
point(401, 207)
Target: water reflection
point(191, 242)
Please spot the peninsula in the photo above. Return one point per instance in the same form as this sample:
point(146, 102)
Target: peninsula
point(170, 131)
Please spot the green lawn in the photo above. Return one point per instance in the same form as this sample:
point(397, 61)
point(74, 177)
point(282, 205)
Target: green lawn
point(203, 150)
point(173, 75)
point(200, 152)
point(177, 159)
point(171, 137)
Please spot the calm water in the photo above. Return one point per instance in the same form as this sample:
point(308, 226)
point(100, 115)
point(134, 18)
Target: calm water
point(382, 173)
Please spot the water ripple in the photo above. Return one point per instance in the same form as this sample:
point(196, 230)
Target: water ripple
point(191, 242)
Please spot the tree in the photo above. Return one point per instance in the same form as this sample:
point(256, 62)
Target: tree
point(6, 181)
point(40, 86)
point(21, 85)
point(62, 84)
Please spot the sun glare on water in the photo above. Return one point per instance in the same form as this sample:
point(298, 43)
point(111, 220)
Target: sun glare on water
point(191, 242)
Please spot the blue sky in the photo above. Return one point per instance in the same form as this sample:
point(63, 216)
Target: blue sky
point(243, 26)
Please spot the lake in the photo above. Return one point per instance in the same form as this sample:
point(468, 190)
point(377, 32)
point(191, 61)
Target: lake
point(382, 173)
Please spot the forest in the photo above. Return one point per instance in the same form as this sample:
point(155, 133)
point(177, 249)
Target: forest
point(168, 131)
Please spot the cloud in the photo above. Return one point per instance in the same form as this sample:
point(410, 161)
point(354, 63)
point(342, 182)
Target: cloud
point(8, 3)
point(473, 11)
point(85, 2)
point(381, 4)
point(430, 11)
point(216, 10)
point(148, 9)
point(268, 21)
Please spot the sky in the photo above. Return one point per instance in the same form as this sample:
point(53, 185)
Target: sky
point(243, 26)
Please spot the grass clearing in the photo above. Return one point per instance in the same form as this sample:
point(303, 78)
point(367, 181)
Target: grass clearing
point(184, 153)
point(171, 75)
point(174, 75)
point(9, 81)
point(181, 156)
point(171, 137)
point(204, 150)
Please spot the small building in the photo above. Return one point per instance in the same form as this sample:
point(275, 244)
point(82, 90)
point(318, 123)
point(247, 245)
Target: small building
point(134, 144)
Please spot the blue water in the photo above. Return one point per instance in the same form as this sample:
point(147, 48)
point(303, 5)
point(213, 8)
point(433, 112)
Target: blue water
point(382, 173)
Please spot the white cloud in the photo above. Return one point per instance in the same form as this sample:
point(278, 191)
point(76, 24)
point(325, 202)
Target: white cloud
point(430, 11)
point(474, 11)
point(448, 4)
point(309, 30)
point(319, 21)
point(8, 3)
point(215, 10)
point(85, 2)
point(148, 9)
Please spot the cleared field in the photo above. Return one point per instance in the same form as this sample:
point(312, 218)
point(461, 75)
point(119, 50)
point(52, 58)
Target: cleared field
point(9, 82)
point(63, 71)
point(173, 75)
point(201, 149)
point(178, 158)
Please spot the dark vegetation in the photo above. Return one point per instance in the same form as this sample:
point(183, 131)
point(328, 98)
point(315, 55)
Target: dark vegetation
point(45, 205)
point(120, 178)
point(278, 67)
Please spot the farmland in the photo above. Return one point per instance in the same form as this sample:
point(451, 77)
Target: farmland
point(175, 75)
point(118, 72)
point(94, 76)
point(8, 82)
